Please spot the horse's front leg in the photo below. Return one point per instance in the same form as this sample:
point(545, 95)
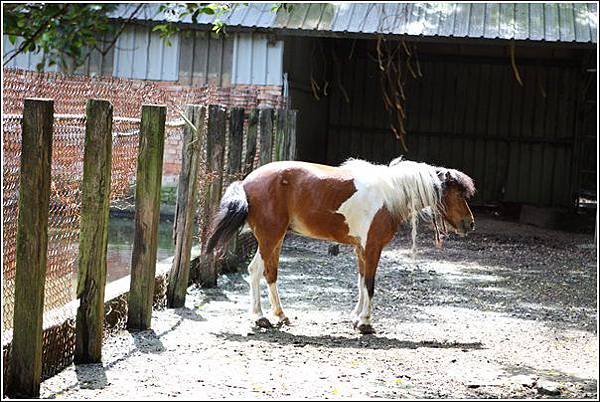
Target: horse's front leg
point(256, 269)
point(367, 264)
point(359, 303)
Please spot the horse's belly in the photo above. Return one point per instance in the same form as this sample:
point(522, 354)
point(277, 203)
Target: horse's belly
point(330, 227)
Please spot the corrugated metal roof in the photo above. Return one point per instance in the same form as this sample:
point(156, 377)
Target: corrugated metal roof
point(552, 22)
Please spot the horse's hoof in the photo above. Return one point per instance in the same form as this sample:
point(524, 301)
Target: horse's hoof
point(284, 321)
point(263, 322)
point(365, 329)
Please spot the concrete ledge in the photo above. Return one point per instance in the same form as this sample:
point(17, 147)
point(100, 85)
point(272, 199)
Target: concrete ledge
point(59, 324)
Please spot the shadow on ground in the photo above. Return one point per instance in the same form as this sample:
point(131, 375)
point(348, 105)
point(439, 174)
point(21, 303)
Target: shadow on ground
point(283, 338)
point(546, 277)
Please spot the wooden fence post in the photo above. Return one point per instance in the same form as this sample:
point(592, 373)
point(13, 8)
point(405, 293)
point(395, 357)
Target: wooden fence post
point(292, 114)
point(93, 236)
point(251, 137)
point(234, 170)
point(281, 138)
point(266, 136)
point(25, 362)
point(236, 136)
point(215, 152)
point(186, 205)
point(147, 214)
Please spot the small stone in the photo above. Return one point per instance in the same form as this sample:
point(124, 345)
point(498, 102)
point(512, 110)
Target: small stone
point(548, 388)
point(524, 380)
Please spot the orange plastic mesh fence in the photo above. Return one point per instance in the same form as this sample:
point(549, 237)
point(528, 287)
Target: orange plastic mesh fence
point(70, 94)
point(65, 204)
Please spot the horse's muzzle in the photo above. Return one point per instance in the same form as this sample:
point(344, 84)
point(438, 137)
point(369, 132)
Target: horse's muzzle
point(468, 225)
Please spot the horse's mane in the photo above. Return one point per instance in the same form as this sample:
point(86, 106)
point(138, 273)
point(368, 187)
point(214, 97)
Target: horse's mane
point(407, 187)
point(410, 189)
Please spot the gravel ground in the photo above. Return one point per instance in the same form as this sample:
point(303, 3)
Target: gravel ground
point(509, 311)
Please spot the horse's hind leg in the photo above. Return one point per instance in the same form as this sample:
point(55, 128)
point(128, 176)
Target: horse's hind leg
point(271, 267)
point(266, 263)
point(256, 269)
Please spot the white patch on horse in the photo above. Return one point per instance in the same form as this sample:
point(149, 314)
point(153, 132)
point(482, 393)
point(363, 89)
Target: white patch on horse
point(256, 269)
point(360, 209)
point(364, 313)
point(359, 303)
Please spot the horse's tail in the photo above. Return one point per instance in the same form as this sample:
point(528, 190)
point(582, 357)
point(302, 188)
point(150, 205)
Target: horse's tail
point(232, 214)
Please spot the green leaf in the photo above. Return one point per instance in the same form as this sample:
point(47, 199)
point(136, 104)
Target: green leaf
point(12, 39)
point(208, 10)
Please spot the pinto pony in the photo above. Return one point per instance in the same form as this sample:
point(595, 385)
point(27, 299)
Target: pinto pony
point(357, 203)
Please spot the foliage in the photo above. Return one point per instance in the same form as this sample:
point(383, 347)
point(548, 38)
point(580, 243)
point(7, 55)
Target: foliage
point(63, 32)
point(67, 33)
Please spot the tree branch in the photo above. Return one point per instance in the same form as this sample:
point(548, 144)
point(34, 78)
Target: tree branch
point(36, 34)
point(123, 26)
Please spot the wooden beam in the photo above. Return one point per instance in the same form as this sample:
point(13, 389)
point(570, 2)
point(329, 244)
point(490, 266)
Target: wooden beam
point(147, 213)
point(234, 172)
point(266, 136)
point(25, 363)
point(193, 140)
point(251, 138)
point(93, 236)
point(215, 152)
point(292, 115)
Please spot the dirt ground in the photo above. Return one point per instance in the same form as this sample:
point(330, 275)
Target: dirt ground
point(510, 311)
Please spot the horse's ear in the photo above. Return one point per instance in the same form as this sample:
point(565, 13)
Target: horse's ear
point(396, 160)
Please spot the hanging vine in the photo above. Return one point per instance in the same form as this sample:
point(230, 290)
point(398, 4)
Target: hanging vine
point(393, 57)
point(397, 61)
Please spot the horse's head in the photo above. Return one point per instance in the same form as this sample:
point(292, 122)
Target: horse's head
point(457, 188)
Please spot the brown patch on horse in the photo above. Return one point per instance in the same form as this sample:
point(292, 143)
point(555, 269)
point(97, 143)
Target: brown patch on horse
point(301, 199)
point(382, 230)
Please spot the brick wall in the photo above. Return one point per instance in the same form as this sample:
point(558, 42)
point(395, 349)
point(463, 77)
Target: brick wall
point(70, 93)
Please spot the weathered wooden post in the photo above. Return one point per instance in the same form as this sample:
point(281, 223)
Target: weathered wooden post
point(292, 114)
point(193, 138)
point(251, 137)
point(147, 214)
point(233, 170)
point(236, 136)
point(93, 236)
point(281, 136)
point(25, 362)
point(266, 136)
point(215, 152)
